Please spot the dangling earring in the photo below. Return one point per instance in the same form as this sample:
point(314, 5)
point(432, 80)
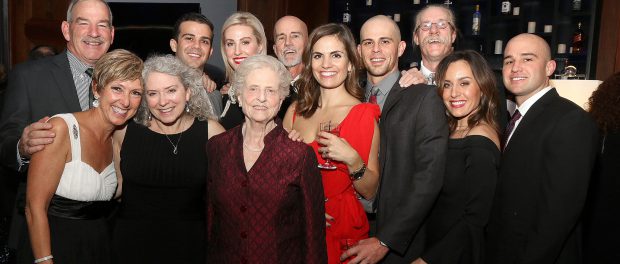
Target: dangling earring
point(96, 102)
point(149, 117)
point(187, 107)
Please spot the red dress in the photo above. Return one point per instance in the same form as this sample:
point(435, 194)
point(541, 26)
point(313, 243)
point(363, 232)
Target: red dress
point(341, 200)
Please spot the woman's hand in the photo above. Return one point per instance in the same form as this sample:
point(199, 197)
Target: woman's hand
point(419, 261)
point(294, 135)
point(328, 219)
point(225, 88)
point(337, 148)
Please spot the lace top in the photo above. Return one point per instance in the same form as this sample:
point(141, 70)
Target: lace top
point(79, 181)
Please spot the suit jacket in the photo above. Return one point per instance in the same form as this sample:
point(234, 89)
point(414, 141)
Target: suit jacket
point(35, 89)
point(542, 185)
point(414, 136)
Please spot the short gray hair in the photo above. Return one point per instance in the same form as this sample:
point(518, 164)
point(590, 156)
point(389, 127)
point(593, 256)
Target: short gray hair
point(74, 2)
point(199, 104)
point(259, 62)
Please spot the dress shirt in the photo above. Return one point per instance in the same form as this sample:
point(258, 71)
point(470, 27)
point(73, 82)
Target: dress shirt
point(525, 106)
point(384, 85)
point(80, 78)
point(426, 72)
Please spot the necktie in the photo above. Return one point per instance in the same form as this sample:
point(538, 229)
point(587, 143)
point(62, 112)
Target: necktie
point(511, 126)
point(373, 95)
point(430, 80)
point(91, 96)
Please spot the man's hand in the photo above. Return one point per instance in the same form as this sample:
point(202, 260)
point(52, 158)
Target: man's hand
point(35, 137)
point(419, 261)
point(411, 77)
point(367, 251)
point(209, 84)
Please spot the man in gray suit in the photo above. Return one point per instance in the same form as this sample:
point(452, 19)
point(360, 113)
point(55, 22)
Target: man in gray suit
point(414, 135)
point(59, 84)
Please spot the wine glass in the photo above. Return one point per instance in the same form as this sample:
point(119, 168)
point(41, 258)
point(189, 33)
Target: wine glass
point(334, 129)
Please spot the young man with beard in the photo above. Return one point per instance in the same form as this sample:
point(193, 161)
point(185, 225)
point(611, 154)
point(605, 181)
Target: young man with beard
point(191, 43)
point(412, 155)
point(290, 37)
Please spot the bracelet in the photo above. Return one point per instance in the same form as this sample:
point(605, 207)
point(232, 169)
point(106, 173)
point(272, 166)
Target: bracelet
point(43, 259)
point(383, 244)
point(358, 174)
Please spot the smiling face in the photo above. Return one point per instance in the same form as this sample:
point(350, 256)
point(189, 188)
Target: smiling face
point(291, 37)
point(89, 34)
point(380, 47)
point(260, 99)
point(193, 44)
point(239, 43)
point(119, 100)
point(527, 65)
point(435, 43)
point(330, 63)
point(461, 92)
point(166, 97)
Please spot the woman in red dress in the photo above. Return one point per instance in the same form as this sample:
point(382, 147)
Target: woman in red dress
point(329, 92)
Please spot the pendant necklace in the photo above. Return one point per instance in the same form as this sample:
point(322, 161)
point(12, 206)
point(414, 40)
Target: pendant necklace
point(175, 148)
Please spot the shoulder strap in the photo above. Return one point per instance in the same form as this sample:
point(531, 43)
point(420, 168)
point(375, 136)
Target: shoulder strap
point(74, 135)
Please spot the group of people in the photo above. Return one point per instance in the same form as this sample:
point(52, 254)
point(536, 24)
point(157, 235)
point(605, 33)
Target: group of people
point(303, 158)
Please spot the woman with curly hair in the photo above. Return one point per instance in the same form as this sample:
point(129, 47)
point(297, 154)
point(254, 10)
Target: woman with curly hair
point(601, 229)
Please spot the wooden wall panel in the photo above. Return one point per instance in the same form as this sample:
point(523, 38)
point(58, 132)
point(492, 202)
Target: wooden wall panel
point(608, 60)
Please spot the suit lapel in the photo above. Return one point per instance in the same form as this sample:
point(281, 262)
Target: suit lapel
point(392, 98)
point(536, 109)
point(61, 71)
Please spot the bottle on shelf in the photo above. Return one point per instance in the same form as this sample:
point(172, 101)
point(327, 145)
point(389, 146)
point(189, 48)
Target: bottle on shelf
point(475, 25)
point(447, 3)
point(346, 15)
point(506, 7)
point(576, 5)
point(578, 40)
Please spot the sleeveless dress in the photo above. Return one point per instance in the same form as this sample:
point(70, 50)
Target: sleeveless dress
point(455, 230)
point(341, 200)
point(78, 227)
point(161, 218)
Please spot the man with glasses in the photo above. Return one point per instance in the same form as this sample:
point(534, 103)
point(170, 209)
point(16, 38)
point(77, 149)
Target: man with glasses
point(434, 34)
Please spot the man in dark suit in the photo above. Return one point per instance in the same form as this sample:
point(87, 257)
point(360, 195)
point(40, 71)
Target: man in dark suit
point(290, 37)
point(192, 44)
point(548, 158)
point(59, 84)
point(414, 135)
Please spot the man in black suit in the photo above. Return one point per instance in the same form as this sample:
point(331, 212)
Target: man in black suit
point(548, 158)
point(414, 135)
point(290, 37)
point(59, 84)
point(192, 44)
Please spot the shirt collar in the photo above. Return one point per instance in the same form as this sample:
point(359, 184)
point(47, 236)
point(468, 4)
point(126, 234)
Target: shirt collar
point(384, 85)
point(525, 106)
point(77, 66)
point(425, 71)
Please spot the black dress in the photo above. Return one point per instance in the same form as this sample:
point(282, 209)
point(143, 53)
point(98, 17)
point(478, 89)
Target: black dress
point(162, 214)
point(232, 115)
point(602, 211)
point(455, 230)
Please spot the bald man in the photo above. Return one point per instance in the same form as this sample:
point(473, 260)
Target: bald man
point(290, 37)
point(549, 150)
point(412, 155)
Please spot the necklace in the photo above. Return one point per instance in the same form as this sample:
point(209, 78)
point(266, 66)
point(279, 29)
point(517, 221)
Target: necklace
point(175, 148)
point(253, 149)
point(246, 146)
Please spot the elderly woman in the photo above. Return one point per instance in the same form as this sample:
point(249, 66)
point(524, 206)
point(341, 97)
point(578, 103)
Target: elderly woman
point(329, 92)
point(243, 36)
point(69, 186)
point(162, 164)
point(265, 193)
point(455, 230)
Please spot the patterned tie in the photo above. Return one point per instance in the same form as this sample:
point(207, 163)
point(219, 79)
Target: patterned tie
point(430, 80)
point(511, 126)
point(373, 95)
point(91, 96)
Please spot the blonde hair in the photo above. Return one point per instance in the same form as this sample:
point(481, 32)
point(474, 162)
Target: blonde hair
point(245, 19)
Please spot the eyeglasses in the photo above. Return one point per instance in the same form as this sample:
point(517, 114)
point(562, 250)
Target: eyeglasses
point(441, 24)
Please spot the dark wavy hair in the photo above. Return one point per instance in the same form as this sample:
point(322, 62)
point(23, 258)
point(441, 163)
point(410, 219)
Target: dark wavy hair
point(605, 104)
point(487, 109)
point(309, 87)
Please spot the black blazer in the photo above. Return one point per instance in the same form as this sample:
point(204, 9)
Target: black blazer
point(35, 89)
point(414, 135)
point(542, 185)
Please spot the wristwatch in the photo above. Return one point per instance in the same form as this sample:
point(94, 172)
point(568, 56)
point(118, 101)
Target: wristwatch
point(358, 174)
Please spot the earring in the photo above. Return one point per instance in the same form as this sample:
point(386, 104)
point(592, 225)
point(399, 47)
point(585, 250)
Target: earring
point(96, 102)
point(187, 107)
point(149, 117)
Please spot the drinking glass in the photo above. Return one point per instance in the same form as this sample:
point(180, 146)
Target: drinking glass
point(334, 129)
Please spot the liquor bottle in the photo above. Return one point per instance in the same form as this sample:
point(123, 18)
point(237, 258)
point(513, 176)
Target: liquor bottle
point(475, 25)
point(447, 3)
point(576, 5)
point(578, 39)
point(506, 7)
point(346, 16)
